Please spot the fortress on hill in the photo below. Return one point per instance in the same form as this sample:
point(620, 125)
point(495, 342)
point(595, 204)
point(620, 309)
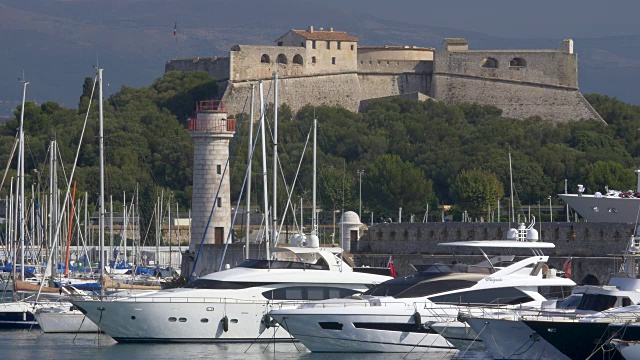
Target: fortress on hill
point(328, 67)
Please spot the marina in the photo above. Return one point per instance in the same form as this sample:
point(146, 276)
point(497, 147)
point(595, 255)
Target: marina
point(312, 196)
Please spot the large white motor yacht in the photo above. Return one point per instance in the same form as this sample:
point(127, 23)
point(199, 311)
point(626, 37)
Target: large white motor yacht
point(231, 305)
point(395, 316)
point(505, 334)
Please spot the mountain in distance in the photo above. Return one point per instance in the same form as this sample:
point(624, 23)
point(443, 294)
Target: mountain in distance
point(56, 42)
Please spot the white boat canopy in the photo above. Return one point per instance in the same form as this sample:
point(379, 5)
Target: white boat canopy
point(501, 244)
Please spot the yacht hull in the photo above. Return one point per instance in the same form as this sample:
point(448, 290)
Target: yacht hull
point(460, 335)
point(509, 339)
point(362, 331)
point(629, 349)
point(176, 321)
point(603, 209)
point(70, 322)
point(17, 315)
point(581, 340)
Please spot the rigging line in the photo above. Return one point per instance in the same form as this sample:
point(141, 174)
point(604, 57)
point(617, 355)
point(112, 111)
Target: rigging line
point(290, 193)
point(59, 221)
point(215, 200)
point(6, 170)
point(144, 241)
point(244, 183)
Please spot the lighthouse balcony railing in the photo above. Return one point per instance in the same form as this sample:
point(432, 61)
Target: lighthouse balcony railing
point(212, 125)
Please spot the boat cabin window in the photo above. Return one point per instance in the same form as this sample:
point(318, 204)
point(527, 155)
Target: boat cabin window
point(597, 302)
point(570, 302)
point(278, 264)
point(216, 284)
point(426, 283)
point(504, 296)
point(308, 293)
point(434, 287)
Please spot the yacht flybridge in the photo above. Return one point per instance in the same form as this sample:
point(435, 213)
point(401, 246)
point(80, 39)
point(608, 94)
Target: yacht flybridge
point(395, 316)
point(231, 305)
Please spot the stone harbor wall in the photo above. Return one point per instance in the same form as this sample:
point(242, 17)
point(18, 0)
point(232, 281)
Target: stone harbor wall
point(591, 245)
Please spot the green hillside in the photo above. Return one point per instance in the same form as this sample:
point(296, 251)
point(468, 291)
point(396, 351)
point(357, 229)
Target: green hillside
point(412, 153)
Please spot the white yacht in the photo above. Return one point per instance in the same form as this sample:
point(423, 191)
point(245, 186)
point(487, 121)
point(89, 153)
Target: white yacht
point(231, 305)
point(612, 206)
point(508, 333)
point(394, 316)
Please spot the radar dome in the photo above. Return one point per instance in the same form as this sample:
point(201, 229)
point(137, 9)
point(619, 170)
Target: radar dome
point(298, 240)
point(314, 241)
point(532, 235)
point(512, 234)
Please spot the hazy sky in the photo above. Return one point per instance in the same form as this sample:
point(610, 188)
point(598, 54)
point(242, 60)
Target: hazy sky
point(513, 18)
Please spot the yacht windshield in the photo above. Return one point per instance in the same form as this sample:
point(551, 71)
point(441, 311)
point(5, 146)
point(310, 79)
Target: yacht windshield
point(424, 283)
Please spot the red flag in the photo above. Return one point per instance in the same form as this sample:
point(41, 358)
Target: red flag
point(567, 268)
point(175, 29)
point(392, 267)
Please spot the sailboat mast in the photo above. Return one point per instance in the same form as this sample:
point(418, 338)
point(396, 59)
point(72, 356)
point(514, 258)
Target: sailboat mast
point(314, 220)
point(125, 217)
point(513, 208)
point(111, 230)
point(102, 216)
point(169, 229)
point(264, 170)
point(249, 158)
point(274, 207)
point(21, 178)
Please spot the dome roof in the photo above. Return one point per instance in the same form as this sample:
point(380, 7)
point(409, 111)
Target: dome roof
point(350, 217)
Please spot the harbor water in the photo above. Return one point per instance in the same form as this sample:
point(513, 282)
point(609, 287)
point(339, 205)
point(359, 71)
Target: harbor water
point(34, 344)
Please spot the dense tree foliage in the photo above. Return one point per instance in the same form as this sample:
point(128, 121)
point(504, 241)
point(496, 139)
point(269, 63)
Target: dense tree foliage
point(413, 153)
point(477, 191)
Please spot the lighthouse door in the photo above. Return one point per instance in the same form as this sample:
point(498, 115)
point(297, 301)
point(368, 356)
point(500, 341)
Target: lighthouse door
point(219, 235)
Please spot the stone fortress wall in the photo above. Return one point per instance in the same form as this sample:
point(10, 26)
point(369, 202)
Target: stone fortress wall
point(591, 245)
point(319, 67)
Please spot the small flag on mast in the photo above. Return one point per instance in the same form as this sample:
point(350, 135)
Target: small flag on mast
point(392, 267)
point(175, 29)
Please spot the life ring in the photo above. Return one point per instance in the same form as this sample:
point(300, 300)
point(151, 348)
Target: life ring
point(225, 323)
point(417, 318)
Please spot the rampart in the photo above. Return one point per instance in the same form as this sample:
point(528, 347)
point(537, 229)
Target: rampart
point(327, 67)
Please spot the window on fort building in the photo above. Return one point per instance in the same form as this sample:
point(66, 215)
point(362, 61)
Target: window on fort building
point(297, 59)
point(313, 59)
point(265, 59)
point(279, 43)
point(328, 45)
point(302, 44)
point(219, 202)
point(339, 46)
point(333, 60)
point(313, 44)
point(219, 169)
point(517, 62)
point(352, 47)
point(490, 63)
point(282, 59)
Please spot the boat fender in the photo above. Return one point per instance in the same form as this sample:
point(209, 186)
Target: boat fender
point(417, 320)
point(225, 323)
point(266, 319)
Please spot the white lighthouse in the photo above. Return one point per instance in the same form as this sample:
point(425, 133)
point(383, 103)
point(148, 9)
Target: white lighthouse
point(211, 131)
